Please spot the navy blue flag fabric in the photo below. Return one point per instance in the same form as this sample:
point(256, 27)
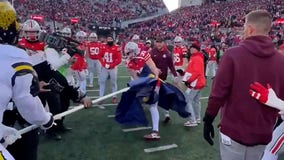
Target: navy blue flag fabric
point(130, 111)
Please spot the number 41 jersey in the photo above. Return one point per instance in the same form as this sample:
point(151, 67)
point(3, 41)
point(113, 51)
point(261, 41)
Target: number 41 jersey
point(110, 55)
point(93, 49)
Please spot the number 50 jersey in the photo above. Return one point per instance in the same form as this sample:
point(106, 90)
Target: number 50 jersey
point(93, 49)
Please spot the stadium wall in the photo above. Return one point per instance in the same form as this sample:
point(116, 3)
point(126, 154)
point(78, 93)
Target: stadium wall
point(185, 3)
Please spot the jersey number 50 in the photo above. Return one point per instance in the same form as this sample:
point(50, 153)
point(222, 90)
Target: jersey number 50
point(94, 50)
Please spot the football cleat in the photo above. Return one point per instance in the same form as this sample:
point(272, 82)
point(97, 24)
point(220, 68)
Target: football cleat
point(154, 136)
point(190, 124)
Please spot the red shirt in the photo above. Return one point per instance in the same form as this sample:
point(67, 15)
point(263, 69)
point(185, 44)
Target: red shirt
point(138, 62)
point(110, 55)
point(212, 55)
point(35, 46)
point(140, 46)
point(179, 53)
point(93, 50)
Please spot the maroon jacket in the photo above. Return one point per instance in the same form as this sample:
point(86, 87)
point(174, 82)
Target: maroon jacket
point(163, 61)
point(244, 119)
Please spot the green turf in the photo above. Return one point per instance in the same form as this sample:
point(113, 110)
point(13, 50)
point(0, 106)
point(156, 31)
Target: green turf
point(97, 137)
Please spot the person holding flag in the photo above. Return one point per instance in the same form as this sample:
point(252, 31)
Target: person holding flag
point(135, 62)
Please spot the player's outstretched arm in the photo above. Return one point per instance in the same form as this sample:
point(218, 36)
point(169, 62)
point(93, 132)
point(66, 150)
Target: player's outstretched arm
point(266, 95)
point(25, 89)
point(55, 60)
point(153, 67)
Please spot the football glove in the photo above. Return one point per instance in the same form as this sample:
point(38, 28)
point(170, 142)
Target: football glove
point(266, 95)
point(208, 129)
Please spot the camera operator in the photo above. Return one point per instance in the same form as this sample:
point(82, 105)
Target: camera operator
point(57, 82)
point(59, 63)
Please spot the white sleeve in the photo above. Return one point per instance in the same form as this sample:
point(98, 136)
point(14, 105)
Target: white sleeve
point(54, 58)
point(4, 154)
point(29, 107)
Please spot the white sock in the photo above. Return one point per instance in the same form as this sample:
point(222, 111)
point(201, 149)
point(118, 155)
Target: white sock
point(269, 156)
point(83, 86)
point(91, 78)
point(155, 116)
point(167, 113)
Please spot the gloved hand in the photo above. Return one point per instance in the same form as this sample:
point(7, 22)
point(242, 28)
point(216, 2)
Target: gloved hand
point(187, 84)
point(266, 95)
point(49, 124)
point(180, 72)
point(208, 129)
point(8, 135)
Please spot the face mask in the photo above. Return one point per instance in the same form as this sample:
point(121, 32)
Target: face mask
point(110, 43)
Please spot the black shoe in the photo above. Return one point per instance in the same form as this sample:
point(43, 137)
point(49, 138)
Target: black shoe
point(53, 136)
point(167, 119)
point(64, 129)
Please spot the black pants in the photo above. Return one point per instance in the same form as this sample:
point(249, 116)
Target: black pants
point(26, 147)
point(54, 104)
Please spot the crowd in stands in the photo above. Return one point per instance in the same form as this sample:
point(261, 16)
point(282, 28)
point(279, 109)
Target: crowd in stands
point(102, 12)
point(210, 23)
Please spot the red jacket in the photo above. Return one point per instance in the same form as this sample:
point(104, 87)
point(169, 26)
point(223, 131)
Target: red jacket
point(244, 119)
point(194, 74)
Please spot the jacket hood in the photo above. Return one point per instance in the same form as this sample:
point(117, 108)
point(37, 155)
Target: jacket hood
point(260, 46)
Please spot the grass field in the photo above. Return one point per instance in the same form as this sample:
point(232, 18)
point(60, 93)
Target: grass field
point(95, 136)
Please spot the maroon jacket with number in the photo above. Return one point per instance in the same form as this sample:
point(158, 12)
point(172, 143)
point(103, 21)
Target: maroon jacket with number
point(243, 118)
point(163, 61)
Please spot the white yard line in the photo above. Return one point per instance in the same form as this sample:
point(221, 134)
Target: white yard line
point(136, 129)
point(111, 104)
point(93, 90)
point(160, 148)
point(201, 98)
point(111, 116)
point(117, 77)
point(93, 97)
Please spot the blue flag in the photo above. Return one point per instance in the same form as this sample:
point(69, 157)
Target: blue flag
point(129, 109)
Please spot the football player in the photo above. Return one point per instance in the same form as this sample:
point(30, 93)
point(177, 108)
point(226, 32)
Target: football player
point(93, 50)
point(180, 54)
point(135, 63)
point(19, 81)
point(80, 65)
point(136, 39)
point(267, 96)
point(110, 58)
